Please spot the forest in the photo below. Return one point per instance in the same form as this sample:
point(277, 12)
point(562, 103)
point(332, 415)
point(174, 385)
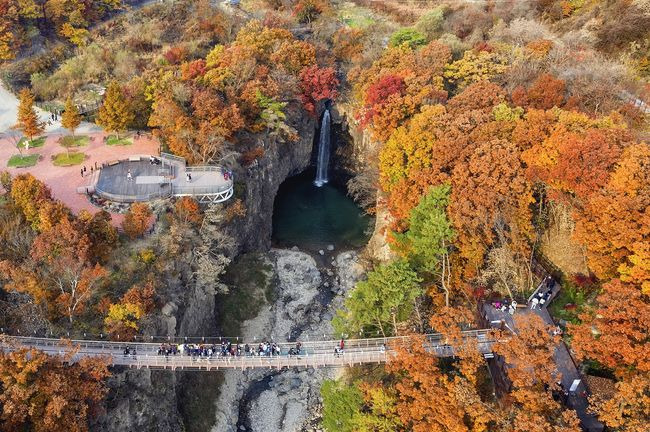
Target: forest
point(497, 143)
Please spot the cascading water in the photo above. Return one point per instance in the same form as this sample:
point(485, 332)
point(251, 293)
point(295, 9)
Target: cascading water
point(323, 161)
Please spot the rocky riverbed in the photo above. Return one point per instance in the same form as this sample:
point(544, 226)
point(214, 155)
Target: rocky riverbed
point(306, 297)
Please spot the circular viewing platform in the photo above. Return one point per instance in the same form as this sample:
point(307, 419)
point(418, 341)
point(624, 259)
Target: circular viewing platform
point(144, 178)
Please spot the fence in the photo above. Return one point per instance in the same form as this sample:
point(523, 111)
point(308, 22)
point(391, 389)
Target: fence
point(483, 337)
point(135, 198)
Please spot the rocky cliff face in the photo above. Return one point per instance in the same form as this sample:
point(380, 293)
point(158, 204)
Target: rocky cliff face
point(355, 157)
point(149, 400)
point(263, 178)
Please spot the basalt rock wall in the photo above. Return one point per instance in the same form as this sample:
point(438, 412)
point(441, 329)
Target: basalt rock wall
point(354, 157)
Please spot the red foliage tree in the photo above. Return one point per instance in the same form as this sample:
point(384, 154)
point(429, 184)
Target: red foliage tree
point(379, 92)
point(193, 69)
point(317, 84)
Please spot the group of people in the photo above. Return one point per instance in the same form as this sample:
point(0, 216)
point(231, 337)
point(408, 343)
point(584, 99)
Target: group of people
point(543, 295)
point(505, 305)
point(84, 170)
point(154, 160)
point(227, 349)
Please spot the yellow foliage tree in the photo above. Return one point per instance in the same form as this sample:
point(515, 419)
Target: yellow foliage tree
point(28, 121)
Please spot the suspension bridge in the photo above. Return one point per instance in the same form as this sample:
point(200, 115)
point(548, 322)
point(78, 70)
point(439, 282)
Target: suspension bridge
point(312, 353)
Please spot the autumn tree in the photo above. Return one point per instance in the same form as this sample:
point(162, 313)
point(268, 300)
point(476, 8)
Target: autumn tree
point(385, 103)
point(614, 223)
point(614, 333)
point(429, 400)
point(28, 121)
point(307, 11)
point(545, 93)
point(488, 187)
point(65, 249)
point(49, 393)
point(532, 371)
point(451, 322)
point(101, 233)
point(187, 210)
point(381, 302)
point(115, 114)
point(576, 162)
point(29, 195)
point(137, 220)
point(475, 66)
point(626, 410)
point(317, 84)
point(70, 119)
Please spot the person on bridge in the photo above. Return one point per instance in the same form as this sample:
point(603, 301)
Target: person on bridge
point(342, 345)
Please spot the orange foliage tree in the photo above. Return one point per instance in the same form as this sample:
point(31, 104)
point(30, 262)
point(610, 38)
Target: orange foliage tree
point(29, 195)
point(532, 370)
point(615, 334)
point(71, 275)
point(407, 78)
point(137, 220)
point(545, 93)
point(429, 400)
point(614, 224)
point(187, 210)
point(41, 393)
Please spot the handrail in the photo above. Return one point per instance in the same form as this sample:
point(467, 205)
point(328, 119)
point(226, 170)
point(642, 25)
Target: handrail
point(312, 353)
point(134, 198)
point(200, 190)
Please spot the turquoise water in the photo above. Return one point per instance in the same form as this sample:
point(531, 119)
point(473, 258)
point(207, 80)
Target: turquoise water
point(312, 217)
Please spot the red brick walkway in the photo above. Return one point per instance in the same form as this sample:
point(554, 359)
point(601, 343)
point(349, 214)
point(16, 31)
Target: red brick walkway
point(64, 180)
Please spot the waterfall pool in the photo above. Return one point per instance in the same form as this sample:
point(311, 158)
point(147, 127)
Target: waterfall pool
point(313, 217)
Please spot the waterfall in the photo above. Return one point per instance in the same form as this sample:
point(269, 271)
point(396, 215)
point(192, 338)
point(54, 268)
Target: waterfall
point(322, 164)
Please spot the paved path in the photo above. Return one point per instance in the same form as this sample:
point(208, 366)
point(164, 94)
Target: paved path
point(567, 367)
point(562, 357)
point(9, 113)
point(313, 353)
point(64, 180)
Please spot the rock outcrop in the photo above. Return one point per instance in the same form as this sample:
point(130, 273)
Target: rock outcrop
point(260, 400)
point(262, 179)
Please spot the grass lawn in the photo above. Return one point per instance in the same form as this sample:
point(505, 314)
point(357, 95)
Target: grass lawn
point(20, 161)
point(112, 140)
point(64, 159)
point(77, 141)
point(36, 142)
point(356, 17)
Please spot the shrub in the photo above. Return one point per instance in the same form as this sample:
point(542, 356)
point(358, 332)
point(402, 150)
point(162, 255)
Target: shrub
point(430, 24)
point(408, 36)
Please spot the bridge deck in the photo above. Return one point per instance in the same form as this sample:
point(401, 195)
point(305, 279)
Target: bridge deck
point(313, 354)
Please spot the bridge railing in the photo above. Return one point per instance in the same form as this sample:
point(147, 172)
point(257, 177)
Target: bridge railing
point(150, 359)
point(434, 340)
point(201, 190)
point(166, 193)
